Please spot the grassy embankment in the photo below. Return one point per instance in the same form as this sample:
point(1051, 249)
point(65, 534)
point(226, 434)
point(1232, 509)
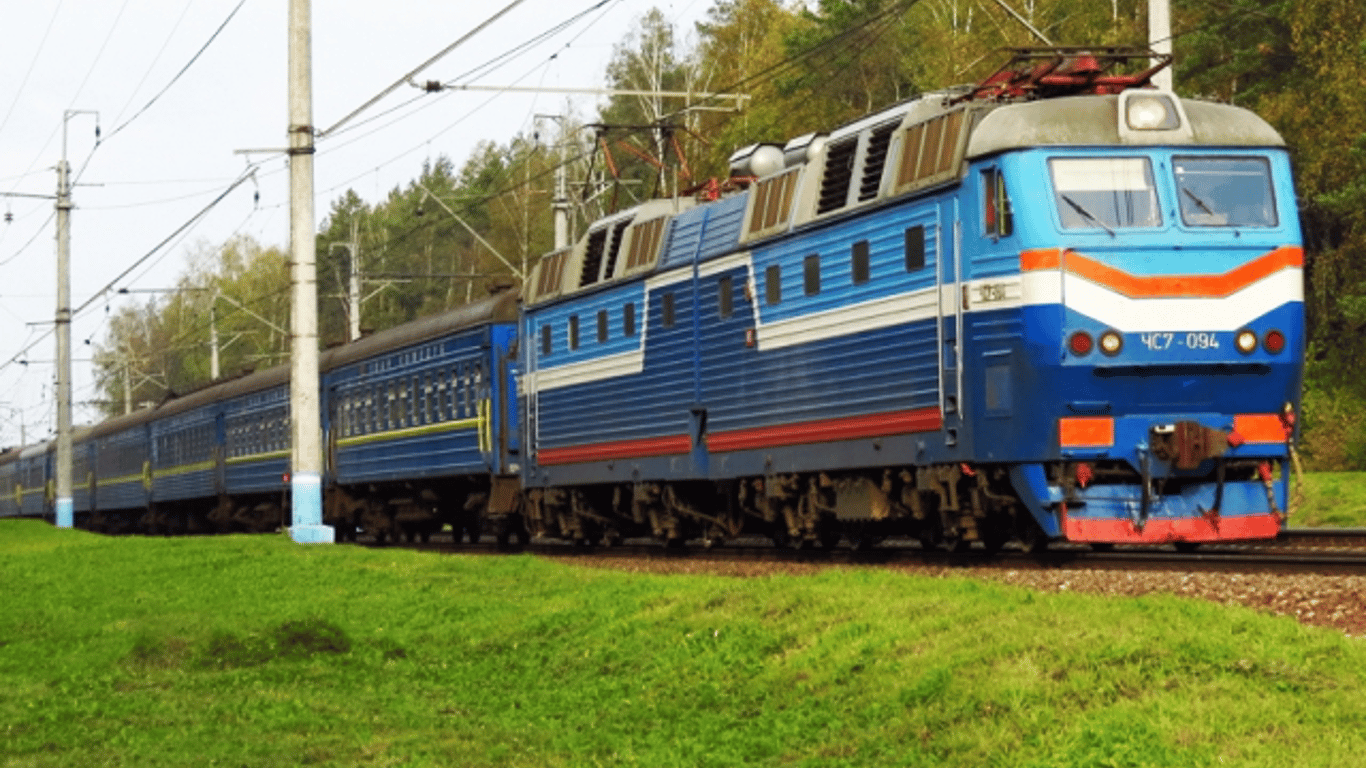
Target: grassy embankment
point(254, 651)
point(1334, 499)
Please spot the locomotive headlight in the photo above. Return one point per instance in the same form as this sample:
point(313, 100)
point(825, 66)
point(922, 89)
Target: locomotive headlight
point(1246, 341)
point(1111, 343)
point(1151, 113)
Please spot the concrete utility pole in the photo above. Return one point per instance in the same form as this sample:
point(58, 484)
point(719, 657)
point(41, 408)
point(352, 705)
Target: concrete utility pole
point(353, 300)
point(1160, 38)
point(304, 417)
point(213, 337)
point(64, 503)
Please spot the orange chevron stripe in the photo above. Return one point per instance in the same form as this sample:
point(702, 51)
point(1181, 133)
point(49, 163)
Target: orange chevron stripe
point(1165, 286)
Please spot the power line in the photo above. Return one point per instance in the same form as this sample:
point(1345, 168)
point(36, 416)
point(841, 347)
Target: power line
point(182, 71)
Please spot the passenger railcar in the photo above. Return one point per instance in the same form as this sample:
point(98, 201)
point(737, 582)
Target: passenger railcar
point(421, 425)
point(1052, 306)
point(9, 481)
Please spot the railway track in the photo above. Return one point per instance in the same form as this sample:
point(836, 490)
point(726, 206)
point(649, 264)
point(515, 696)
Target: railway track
point(1304, 550)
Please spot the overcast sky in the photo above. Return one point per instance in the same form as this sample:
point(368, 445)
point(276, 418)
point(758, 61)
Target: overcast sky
point(172, 123)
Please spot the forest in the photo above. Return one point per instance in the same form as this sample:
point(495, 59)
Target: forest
point(458, 230)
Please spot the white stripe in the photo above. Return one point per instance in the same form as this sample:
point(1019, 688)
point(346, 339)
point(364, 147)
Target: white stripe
point(608, 367)
point(1134, 315)
point(843, 321)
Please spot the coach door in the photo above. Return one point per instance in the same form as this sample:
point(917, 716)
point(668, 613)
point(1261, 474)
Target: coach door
point(948, 279)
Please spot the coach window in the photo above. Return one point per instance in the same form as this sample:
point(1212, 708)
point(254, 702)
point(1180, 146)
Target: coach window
point(725, 297)
point(773, 284)
point(811, 275)
point(602, 325)
point(429, 399)
point(858, 262)
point(468, 389)
point(915, 248)
point(456, 387)
point(628, 319)
point(545, 340)
point(667, 310)
point(440, 407)
point(573, 332)
point(412, 401)
point(997, 219)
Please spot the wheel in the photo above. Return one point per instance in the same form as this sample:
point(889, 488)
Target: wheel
point(1103, 546)
point(829, 537)
point(930, 535)
point(993, 539)
point(1187, 547)
point(1032, 537)
point(780, 537)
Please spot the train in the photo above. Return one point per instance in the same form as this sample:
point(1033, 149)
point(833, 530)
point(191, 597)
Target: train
point(1058, 305)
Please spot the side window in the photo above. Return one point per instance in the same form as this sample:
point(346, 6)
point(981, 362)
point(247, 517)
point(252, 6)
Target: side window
point(667, 310)
point(997, 219)
point(811, 275)
point(915, 248)
point(573, 332)
point(773, 284)
point(628, 319)
point(725, 297)
point(858, 262)
point(602, 325)
point(545, 340)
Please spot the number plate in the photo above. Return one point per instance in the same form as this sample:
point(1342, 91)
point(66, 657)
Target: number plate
point(1167, 340)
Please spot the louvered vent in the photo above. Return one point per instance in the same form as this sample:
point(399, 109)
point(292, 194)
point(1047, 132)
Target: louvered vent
point(773, 201)
point(552, 274)
point(839, 167)
point(645, 242)
point(874, 160)
point(592, 257)
point(614, 248)
point(930, 152)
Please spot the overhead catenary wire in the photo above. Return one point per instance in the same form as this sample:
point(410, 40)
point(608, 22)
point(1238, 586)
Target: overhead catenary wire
point(408, 77)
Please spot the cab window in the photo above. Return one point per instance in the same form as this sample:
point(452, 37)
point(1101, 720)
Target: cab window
point(1104, 192)
point(1225, 191)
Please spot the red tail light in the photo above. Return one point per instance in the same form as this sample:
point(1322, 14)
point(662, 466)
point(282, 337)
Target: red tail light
point(1080, 343)
point(1274, 342)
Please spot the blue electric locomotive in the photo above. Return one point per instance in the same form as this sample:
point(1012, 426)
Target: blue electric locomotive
point(1054, 305)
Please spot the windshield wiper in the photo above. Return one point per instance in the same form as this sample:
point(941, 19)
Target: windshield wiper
point(1198, 201)
point(1087, 214)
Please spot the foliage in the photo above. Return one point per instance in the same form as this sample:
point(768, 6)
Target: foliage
point(252, 651)
point(239, 292)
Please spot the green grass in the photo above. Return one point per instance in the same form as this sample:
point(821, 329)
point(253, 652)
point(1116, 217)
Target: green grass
point(1332, 499)
point(252, 651)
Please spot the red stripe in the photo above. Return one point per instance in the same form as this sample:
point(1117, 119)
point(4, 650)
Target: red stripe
point(622, 449)
point(827, 430)
point(1164, 286)
point(1193, 529)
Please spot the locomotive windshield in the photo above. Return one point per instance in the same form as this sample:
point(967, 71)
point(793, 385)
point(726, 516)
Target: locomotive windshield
point(1225, 191)
point(1105, 192)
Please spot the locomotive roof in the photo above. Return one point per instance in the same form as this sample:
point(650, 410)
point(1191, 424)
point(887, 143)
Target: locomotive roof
point(1094, 121)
